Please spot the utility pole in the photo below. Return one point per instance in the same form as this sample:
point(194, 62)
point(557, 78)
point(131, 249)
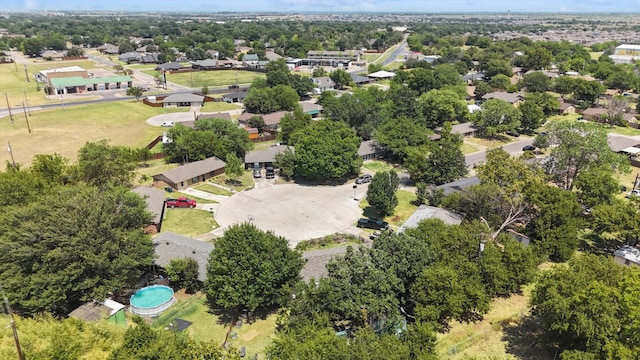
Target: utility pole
point(26, 118)
point(6, 96)
point(13, 325)
point(62, 100)
point(13, 161)
point(26, 73)
point(26, 101)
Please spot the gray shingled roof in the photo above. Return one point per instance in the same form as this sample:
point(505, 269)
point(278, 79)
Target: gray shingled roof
point(367, 147)
point(168, 246)
point(267, 155)
point(430, 212)
point(194, 169)
point(459, 185)
point(154, 199)
point(183, 98)
point(508, 97)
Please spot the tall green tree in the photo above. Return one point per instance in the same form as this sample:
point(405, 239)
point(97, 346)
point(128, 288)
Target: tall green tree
point(381, 193)
point(292, 122)
point(532, 116)
point(443, 163)
point(183, 273)
point(100, 164)
point(498, 116)
point(536, 81)
point(397, 136)
point(579, 147)
point(326, 150)
point(248, 253)
point(76, 244)
point(340, 77)
point(439, 106)
point(233, 166)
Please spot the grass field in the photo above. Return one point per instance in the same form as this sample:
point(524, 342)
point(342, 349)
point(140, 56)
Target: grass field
point(255, 336)
point(210, 78)
point(188, 222)
point(65, 132)
point(244, 182)
point(377, 165)
point(490, 142)
point(400, 214)
point(213, 189)
point(468, 148)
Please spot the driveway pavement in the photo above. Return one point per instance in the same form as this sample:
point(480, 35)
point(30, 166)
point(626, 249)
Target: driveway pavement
point(296, 212)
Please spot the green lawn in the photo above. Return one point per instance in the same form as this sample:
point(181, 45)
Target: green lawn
point(377, 165)
point(626, 131)
point(499, 140)
point(329, 241)
point(212, 189)
point(66, 131)
point(255, 336)
point(210, 78)
point(188, 222)
point(216, 106)
point(401, 213)
point(468, 148)
point(244, 182)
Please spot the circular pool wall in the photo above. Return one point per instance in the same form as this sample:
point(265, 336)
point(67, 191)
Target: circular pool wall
point(151, 300)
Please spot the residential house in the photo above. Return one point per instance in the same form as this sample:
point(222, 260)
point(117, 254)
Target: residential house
point(169, 66)
point(430, 212)
point(93, 311)
point(323, 83)
point(189, 174)
point(369, 150)
point(168, 246)
point(467, 129)
point(235, 96)
point(201, 116)
point(108, 49)
point(360, 80)
point(311, 108)
point(473, 108)
point(458, 185)
point(335, 56)
point(627, 255)
point(566, 108)
point(130, 57)
point(271, 56)
point(150, 58)
point(206, 64)
point(183, 100)
point(213, 53)
point(53, 55)
point(471, 77)
point(251, 61)
point(512, 98)
point(154, 198)
point(594, 114)
point(264, 158)
point(271, 121)
point(618, 143)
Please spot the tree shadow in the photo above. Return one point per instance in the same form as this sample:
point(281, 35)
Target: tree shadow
point(226, 317)
point(525, 339)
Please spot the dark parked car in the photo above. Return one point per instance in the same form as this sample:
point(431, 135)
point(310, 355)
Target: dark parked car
point(375, 224)
point(513, 133)
point(362, 179)
point(528, 148)
point(270, 173)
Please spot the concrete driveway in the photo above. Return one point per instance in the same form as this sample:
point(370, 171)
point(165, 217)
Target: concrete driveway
point(296, 212)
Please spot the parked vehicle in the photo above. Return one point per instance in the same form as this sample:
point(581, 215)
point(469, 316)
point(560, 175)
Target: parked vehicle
point(181, 202)
point(362, 179)
point(270, 172)
point(633, 193)
point(513, 133)
point(257, 173)
point(528, 148)
point(375, 224)
point(167, 124)
point(234, 86)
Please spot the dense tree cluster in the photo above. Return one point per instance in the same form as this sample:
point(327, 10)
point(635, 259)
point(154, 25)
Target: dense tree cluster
point(209, 137)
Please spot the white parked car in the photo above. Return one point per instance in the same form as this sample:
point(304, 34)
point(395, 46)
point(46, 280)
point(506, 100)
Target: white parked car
point(167, 124)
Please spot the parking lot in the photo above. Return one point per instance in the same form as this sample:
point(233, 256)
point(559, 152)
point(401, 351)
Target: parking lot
point(297, 212)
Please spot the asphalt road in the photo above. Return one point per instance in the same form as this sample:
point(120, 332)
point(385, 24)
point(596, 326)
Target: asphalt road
point(402, 48)
point(512, 148)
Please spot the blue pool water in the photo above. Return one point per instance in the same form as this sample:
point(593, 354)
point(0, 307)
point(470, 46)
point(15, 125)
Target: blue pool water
point(151, 296)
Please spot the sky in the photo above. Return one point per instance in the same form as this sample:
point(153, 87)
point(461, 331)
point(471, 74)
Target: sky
point(426, 6)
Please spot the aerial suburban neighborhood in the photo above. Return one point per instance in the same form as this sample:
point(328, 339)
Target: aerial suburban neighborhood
point(352, 184)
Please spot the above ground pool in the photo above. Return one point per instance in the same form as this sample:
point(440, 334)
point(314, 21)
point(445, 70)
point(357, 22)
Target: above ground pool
point(152, 300)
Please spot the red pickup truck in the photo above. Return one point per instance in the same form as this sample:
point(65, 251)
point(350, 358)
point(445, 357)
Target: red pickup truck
point(181, 202)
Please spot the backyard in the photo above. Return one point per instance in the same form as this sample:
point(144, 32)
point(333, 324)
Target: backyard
point(254, 335)
point(401, 213)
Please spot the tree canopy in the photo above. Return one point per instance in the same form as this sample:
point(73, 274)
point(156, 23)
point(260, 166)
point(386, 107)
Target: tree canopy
point(327, 150)
point(251, 269)
point(381, 193)
point(498, 116)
